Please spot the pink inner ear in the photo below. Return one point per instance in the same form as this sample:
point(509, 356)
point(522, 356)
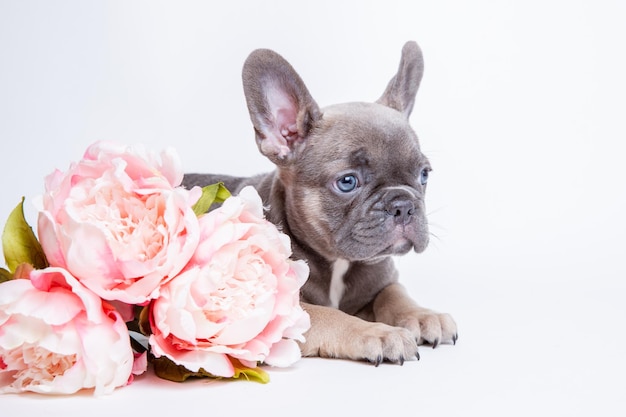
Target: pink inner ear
point(283, 110)
point(283, 128)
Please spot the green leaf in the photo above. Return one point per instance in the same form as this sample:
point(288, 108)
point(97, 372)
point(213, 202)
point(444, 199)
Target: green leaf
point(211, 194)
point(251, 374)
point(5, 275)
point(19, 242)
point(143, 321)
point(167, 369)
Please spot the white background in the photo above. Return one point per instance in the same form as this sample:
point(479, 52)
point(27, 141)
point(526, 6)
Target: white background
point(521, 111)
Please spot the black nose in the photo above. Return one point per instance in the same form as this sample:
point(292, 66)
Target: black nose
point(401, 210)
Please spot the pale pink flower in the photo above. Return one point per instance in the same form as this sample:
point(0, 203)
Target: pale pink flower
point(238, 297)
point(119, 222)
point(57, 337)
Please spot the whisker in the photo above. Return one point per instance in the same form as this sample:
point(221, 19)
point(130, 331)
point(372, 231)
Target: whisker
point(434, 211)
point(437, 226)
point(435, 236)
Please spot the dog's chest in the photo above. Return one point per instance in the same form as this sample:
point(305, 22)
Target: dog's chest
point(337, 284)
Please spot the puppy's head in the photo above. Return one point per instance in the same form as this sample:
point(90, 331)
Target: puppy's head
point(353, 174)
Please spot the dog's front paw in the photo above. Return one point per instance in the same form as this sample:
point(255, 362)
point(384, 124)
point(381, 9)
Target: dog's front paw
point(335, 334)
point(378, 342)
point(429, 327)
point(394, 307)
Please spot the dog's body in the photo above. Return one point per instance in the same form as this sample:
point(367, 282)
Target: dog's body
point(349, 191)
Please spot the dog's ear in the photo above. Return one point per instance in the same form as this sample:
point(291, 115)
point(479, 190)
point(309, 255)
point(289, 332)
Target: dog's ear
point(281, 108)
point(401, 90)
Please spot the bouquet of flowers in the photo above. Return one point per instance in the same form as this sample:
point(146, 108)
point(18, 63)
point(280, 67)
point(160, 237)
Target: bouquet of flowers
point(129, 268)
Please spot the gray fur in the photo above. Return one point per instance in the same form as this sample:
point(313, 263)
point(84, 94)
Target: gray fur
point(313, 148)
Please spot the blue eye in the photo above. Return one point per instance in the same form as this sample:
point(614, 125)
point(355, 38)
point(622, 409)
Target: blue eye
point(424, 176)
point(347, 183)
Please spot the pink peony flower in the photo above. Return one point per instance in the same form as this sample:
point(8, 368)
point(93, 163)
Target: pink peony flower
point(57, 337)
point(238, 297)
point(118, 221)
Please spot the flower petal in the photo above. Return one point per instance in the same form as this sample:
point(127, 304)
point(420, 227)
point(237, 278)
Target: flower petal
point(284, 353)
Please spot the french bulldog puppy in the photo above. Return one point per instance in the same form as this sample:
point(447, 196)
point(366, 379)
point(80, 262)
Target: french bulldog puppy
point(349, 190)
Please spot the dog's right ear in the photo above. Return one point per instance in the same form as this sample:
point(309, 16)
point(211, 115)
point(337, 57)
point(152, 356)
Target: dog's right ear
point(401, 90)
point(281, 108)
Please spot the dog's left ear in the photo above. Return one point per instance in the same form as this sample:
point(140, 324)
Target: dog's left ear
point(281, 108)
point(401, 90)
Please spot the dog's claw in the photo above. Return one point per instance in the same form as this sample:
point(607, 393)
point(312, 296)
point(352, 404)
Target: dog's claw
point(455, 338)
point(417, 355)
point(435, 343)
point(401, 360)
point(378, 361)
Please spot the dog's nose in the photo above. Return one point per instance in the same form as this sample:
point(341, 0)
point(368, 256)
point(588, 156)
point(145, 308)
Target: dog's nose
point(401, 210)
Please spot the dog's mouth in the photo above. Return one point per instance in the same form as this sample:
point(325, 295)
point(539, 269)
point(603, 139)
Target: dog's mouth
point(401, 246)
point(390, 240)
point(405, 238)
